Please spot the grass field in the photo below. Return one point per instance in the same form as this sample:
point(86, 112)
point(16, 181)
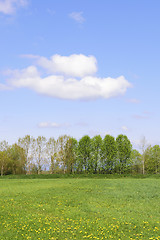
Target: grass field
point(79, 209)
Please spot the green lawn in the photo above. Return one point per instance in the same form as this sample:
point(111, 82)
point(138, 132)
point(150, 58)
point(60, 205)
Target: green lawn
point(79, 209)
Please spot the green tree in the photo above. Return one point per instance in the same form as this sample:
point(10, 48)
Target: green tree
point(61, 152)
point(70, 154)
point(17, 159)
point(84, 154)
point(124, 148)
point(3, 156)
point(109, 153)
point(96, 150)
point(155, 154)
point(136, 161)
point(4, 160)
point(152, 159)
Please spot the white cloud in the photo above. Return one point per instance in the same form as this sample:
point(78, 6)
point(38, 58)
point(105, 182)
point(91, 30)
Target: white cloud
point(51, 125)
point(64, 80)
point(10, 6)
point(76, 65)
point(4, 87)
point(57, 86)
point(77, 16)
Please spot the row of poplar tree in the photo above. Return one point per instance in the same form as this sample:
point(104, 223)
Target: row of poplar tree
point(67, 155)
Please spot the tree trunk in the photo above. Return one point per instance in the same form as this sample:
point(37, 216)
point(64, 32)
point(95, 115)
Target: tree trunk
point(143, 165)
point(2, 170)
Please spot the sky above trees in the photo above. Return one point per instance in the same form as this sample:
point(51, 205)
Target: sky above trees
point(80, 67)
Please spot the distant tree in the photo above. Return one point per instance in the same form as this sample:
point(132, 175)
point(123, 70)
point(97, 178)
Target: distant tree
point(70, 154)
point(152, 159)
point(109, 154)
point(3, 156)
point(39, 146)
point(124, 148)
point(33, 168)
point(51, 153)
point(61, 152)
point(17, 159)
point(136, 161)
point(27, 144)
point(155, 156)
point(144, 146)
point(96, 151)
point(84, 154)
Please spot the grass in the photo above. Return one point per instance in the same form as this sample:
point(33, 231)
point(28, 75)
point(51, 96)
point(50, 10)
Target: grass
point(81, 175)
point(86, 208)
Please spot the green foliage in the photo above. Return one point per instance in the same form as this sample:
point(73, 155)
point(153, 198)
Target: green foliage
point(152, 159)
point(136, 161)
point(34, 175)
point(124, 148)
point(70, 154)
point(84, 154)
point(109, 154)
point(17, 159)
point(88, 155)
point(4, 162)
point(96, 153)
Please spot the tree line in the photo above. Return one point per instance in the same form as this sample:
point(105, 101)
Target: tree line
point(67, 155)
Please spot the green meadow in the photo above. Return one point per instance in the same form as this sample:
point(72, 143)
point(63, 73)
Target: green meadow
point(83, 208)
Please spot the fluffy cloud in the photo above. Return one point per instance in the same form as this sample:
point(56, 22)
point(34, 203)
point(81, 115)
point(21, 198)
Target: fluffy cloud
point(4, 87)
point(10, 6)
point(77, 16)
point(69, 77)
point(57, 86)
point(74, 65)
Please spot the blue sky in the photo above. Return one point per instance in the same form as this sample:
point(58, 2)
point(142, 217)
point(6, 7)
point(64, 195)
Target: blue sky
point(80, 67)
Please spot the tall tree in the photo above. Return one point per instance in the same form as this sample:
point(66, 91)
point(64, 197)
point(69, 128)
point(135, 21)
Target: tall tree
point(18, 159)
point(27, 143)
point(109, 153)
point(61, 152)
point(96, 151)
point(3, 156)
point(84, 154)
point(51, 152)
point(124, 148)
point(70, 154)
point(143, 146)
point(40, 152)
point(152, 159)
point(155, 153)
point(136, 161)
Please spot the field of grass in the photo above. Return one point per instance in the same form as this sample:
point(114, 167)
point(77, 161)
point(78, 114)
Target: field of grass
point(79, 209)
